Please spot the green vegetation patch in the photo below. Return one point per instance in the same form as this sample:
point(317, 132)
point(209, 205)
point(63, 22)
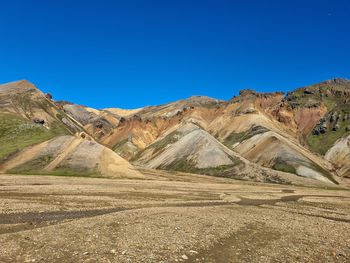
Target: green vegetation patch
point(119, 145)
point(17, 133)
point(160, 145)
point(281, 165)
point(36, 166)
point(242, 136)
point(76, 173)
point(184, 165)
point(125, 149)
point(58, 172)
point(323, 142)
point(33, 166)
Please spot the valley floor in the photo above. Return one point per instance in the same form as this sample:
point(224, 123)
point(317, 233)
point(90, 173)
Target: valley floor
point(170, 218)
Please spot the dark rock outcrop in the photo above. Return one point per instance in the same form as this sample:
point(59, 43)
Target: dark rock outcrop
point(39, 121)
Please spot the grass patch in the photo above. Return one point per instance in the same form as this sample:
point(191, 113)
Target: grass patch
point(283, 166)
point(37, 165)
point(33, 165)
point(59, 172)
point(75, 173)
point(160, 145)
point(17, 133)
point(323, 142)
point(126, 149)
point(184, 165)
point(242, 136)
point(119, 145)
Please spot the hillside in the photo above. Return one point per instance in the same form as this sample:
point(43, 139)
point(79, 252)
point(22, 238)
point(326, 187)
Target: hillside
point(68, 155)
point(302, 133)
point(39, 136)
point(271, 129)
point(28, 117)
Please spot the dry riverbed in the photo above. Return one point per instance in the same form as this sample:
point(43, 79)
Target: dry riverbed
point(170, 218)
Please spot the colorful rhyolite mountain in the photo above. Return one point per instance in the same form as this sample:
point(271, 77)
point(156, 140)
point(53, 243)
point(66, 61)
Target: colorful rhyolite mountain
point(269, 137)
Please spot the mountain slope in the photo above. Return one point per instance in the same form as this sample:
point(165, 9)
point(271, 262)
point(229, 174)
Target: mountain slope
point(190, 146)
point(68, 155)
point(339, 155)
point(28, 117)
point(36, 136)
point(272, 150)
point(302, 132)
point(322, 113)
point(239, 124)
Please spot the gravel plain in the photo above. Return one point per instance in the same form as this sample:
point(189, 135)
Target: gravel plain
point(170, 218)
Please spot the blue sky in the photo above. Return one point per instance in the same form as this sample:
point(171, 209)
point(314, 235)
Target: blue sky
point(133, 53)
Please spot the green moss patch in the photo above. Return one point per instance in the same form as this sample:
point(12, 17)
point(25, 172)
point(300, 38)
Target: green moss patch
point(160, 145)
point(242, 136)
point(184, 165)
point(323, 142)
point(34, 165)
point(17, 133)
point(283, 166)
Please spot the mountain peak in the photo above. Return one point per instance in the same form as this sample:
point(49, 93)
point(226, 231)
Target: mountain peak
point(201, 99)
point(21, 82)
point(18, 86)
point(338, 81)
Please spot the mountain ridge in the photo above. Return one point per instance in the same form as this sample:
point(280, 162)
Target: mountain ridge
point(248, 125)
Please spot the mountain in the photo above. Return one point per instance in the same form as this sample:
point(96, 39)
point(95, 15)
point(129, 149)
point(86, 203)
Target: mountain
point(187, 146)
point(28, 116)
point(39, 136)
point(72, 156)
point(271, 137)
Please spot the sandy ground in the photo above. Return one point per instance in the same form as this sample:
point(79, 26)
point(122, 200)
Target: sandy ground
point(171, 218)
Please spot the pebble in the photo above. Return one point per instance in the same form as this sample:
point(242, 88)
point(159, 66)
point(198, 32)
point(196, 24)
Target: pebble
point(184, 257)
point(124, 252)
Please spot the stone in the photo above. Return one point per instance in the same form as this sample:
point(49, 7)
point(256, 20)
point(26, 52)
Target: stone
point(136, 117)
point(308, 92)
point(39, 121)
point(323, 129)
point(336, 127)
point(184, 257)
point(99, 124)
point(316, 131)
point(48, 96)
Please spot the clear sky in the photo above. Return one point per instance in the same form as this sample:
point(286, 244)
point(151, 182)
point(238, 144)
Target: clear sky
point(133, 53)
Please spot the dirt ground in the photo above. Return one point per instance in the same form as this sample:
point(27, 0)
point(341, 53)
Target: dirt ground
point(170, 218)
